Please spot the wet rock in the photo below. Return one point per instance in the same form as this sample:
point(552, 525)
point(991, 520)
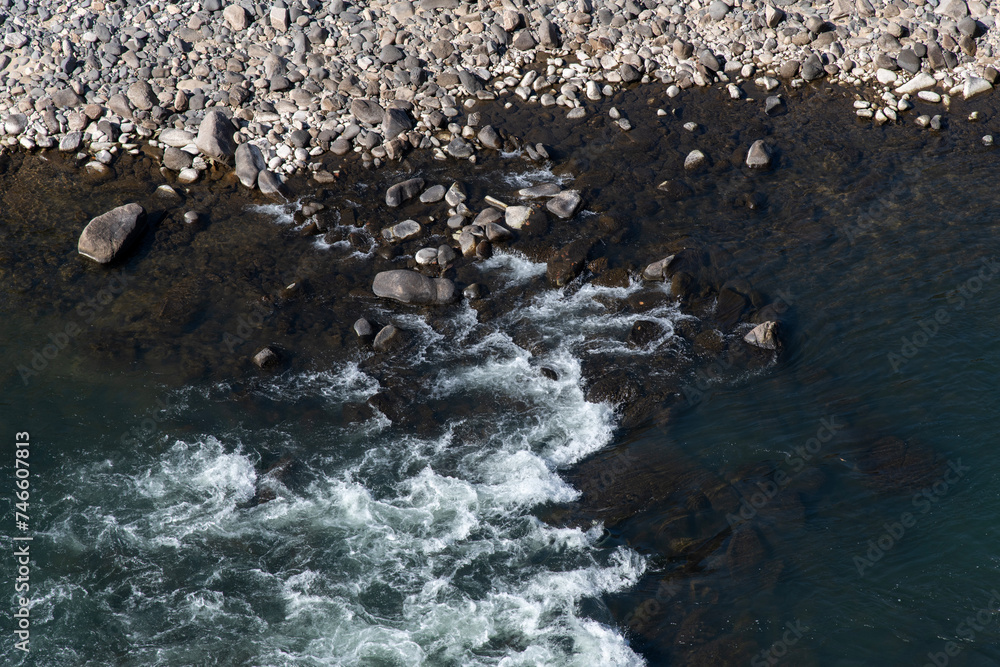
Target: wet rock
point(472, 292)
point(108, 235)
point(266, 358)
point(774, 105)
point(758, 156)
point(176, 159)
point(567, 262)
point(215, 136)
point(426, 256)
point(433, 194)
point(565, 204)
point(497, 232)
point(70, 142)
point(657, 270)
point(400, 192)
point(459, 148)
point(892, 465)
point(764, 336)
point(484, 250)
point(488, 137)
point(675, 190)
point(403, 231)
point(363, 328)
point(644, 332)
point(270, 184)
point(412, 287)
point(455, 195)
point(541, 190)
point(695, 160)
point(249, 163)
point(176, 138)
point(388, 339)
point(515, 216)
point(446, 255)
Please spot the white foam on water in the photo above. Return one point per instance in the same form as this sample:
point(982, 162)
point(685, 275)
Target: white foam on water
point(533, 176)
point(515, 268)
point(282, 214)
point(410, 550)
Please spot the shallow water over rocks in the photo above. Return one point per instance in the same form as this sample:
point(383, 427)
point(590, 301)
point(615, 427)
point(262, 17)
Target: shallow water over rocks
point(544, 474)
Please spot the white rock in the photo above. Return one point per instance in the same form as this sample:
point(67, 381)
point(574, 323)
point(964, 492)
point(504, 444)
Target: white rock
point(516, 216)
point(921, 81)
point(975, 85)
point(929, 96)
point(885, 76)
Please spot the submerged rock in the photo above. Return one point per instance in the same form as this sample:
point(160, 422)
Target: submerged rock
point(412, 287)
point(109, 234)
point(266, 358)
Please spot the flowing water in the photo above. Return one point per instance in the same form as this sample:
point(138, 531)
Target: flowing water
point(525, 481)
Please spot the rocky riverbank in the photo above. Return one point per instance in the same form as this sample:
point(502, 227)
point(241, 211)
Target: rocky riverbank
point(309, 82)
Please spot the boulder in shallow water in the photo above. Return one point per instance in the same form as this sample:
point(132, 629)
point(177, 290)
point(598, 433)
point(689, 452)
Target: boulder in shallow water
point(388, 338)
point(758, 156)
point(764, 336)
point(270, 184)
point(400, 192)
point(412, 287)
point(249, 163)
point(107, 235)
point(266, 357)
point(657, 270)
point(565, 204)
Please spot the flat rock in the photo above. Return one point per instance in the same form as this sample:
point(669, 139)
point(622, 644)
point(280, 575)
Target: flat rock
point(565, 204)
point(109, 234)
point(176, 138)
point(921, 81)
point(515, 216)
point(459, 148)
point(400, 192)
point(215, 136)
point(412, 287)
point(66, 98)
point(540, 190)
point(974, 86)
point(403, 231)
point(367, 111)
point(433, 194)
point(955, 9)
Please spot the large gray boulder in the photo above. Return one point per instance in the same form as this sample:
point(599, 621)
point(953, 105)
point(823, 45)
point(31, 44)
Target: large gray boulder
point(215, 136)
point(109, 234)
point(412, 287)
point(249, 163)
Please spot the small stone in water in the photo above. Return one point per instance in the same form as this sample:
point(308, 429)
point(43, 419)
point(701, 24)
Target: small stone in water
point(191, 217)
point(988, 140)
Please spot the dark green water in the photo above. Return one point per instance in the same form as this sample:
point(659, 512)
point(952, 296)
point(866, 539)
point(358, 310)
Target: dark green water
point(454, 524)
